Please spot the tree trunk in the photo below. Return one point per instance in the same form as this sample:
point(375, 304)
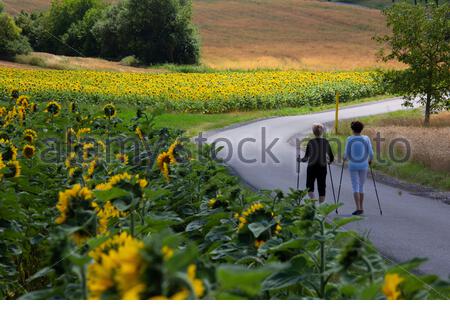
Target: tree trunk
point(428, 110)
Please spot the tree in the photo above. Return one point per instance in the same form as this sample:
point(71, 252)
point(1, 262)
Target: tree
point(420, 39)
point(111, 32)
point(11, 40)
point(161, 31)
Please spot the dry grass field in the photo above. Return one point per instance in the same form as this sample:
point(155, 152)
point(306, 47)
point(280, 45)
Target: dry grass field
point(429, 146)
point(285, 34)
point(47, 60)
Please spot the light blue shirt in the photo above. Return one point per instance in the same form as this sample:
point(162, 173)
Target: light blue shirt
point(358, 152)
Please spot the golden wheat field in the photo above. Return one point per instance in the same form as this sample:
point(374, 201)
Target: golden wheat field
point(285, 34)
point(429, 146)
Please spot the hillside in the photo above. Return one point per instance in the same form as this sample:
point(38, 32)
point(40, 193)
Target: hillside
point(278, 33)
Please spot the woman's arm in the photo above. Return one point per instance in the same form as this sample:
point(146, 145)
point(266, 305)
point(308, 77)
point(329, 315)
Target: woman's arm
point(307, 152)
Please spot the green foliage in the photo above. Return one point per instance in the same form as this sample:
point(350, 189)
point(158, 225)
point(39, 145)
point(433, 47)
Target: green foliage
point(155, 31)
point(420, 40)
point(131, 61)
point(11, 40)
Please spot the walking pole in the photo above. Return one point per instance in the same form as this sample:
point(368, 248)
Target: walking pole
point(376, 190)
point(332, 187)
point(298, 171)
point(340, 181)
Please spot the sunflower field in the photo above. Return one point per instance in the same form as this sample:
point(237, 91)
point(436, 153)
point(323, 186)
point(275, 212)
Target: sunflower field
point(194, 92)
point(93, 207)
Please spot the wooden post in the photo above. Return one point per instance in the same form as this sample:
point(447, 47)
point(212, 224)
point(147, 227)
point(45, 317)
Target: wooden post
point(336, 120)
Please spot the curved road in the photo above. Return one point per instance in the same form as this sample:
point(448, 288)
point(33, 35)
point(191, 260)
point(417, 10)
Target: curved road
point(411, 226)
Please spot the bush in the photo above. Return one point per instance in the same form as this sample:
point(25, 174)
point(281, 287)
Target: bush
point(130, 61)
point(11, 40)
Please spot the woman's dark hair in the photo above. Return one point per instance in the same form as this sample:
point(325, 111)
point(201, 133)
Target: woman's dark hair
point(357, 126)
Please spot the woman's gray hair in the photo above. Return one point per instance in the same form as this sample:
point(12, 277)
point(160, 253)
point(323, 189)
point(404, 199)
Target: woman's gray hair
point(318, 129)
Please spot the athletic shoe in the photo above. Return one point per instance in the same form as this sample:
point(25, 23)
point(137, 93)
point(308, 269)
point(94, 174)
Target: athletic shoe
point(357, 213)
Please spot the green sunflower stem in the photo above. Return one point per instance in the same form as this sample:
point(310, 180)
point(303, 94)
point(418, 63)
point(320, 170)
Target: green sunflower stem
point(83, 282)
point(132, 223)
point(322, 260)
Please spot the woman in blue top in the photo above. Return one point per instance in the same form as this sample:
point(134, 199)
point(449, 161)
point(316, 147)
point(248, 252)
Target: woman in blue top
point(359, 153)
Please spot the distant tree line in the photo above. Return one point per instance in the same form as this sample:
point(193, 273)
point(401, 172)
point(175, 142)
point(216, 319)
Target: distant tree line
point(12, 42)
point(154, 31)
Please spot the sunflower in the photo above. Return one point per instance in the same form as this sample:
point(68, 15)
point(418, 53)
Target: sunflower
point(7, 150)
point(122, 180)
point(28, 151)
point(390, 288)
point(117, 269)
point(71, 160)
point(86, 150)
point(167, 252)
point(259, 243)
point(29, 135)
point(106, 213)
point(139, 133)
point(82, 132)
point(33, 107)
point(90, 169)
point(15, 94)
point(53, 107)
point(2, 166)
point(14, 169)
point(73, 108)
point(70, 136)
point(23, 101)
point(71, 199)
point(21, 113)
point(164, 161)
point(172, 149)
point(122, 157)
point(196, 284)
point(109, 110)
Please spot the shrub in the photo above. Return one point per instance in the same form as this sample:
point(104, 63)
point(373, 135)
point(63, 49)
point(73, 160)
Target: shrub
point(11, 40)
point(130, 61)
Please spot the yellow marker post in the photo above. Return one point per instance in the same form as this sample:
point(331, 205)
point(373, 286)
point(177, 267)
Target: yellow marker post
point(336, 120)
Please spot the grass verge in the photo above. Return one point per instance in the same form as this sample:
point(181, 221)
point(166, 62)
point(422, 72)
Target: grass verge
point(193, 123)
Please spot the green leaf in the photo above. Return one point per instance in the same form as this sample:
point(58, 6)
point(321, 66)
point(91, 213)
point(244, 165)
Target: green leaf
point(340, 222)
point(258, 228)
point(41, 273)
point(243, 279)
point(108, 195)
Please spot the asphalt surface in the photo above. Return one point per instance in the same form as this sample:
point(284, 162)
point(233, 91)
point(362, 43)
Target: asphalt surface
point(411, 226)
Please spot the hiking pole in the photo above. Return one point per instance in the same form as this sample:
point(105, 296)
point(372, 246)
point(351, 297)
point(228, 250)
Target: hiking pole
point(340, 181)
point(332, 187)
point(376, 190)
point(298, 171)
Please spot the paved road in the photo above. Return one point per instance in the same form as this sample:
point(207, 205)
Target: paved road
point(411, 226)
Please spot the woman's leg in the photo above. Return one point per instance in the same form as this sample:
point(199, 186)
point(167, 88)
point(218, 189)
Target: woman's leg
point(354, 175)
point(322, 183)
point(362, 180)
point(310, 179)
